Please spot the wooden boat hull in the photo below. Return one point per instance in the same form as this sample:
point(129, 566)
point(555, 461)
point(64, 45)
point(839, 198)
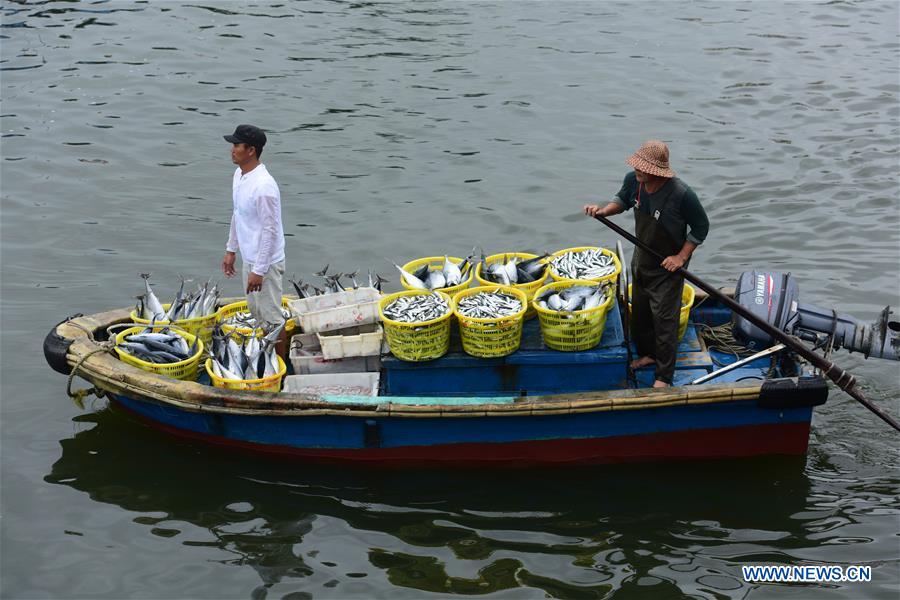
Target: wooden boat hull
point(741, 429)
point(728, 420)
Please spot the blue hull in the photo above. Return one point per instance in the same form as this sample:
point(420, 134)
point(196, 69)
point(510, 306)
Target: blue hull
point(534, 407)
point(730, 429)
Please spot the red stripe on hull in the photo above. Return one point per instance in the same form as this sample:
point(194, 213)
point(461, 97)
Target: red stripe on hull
point(731, 442)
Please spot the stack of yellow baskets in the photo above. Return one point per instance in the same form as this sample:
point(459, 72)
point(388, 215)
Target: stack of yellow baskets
point(185, 370)
point(486, 338)
point(420, 341)
point(528, 288)
point(201, 326)
point(572, 331)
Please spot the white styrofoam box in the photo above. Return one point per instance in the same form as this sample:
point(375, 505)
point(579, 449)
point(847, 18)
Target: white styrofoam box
point(362, 340)
point(344, 384)
point(306, 361)
point(337, 311)
point(307, 341)
point(345, 298)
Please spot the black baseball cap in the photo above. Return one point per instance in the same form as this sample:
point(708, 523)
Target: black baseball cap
point(247, 134)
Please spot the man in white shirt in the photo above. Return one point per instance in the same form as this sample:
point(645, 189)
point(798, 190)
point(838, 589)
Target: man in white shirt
point(256, 228)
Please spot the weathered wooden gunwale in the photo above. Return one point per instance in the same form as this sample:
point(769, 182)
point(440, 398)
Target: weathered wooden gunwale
point(109, 374)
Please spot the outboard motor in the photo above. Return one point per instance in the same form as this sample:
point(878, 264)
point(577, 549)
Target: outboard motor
point(774, 298)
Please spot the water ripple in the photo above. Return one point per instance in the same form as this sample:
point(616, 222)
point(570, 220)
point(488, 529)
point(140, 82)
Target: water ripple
point(407, 130)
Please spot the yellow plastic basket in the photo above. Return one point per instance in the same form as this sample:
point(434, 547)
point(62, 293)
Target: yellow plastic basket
point(202, 326)
point(236, 307)
point(416, 342)
point(687, 301)
point(185, 370)
point(612, 277)
point(528, 288)
point(272, 383)
point(436, 263)
point(486, 338)
point(572, 331)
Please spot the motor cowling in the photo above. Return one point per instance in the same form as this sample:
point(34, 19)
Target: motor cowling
point(775, 298)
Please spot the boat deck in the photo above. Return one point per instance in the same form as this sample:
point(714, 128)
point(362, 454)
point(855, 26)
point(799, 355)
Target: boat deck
point(536, 370)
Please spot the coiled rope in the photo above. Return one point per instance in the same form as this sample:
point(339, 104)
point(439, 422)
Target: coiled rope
point(721, 338)
point(78, 396)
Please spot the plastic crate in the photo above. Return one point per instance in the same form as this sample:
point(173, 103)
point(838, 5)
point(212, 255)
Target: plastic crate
point(307, 341)
point(486, 338)
point(201, 326)
point(363, 340)
point(529, 288)
point(436, 263)
point(337, 311)
point(307, 361)
point(241, 306)
point(572, 331)
point(612, 277)
point(345, 384)
point(420, 341)
point(185, 370)
point(272, 383)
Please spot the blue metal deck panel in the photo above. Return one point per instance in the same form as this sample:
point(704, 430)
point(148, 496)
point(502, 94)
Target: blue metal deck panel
point(533, 368)
point(721, 359)
point(711, 313)
point(612, 341)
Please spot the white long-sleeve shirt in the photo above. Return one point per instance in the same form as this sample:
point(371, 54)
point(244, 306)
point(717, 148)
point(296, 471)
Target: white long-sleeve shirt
point(256, 228)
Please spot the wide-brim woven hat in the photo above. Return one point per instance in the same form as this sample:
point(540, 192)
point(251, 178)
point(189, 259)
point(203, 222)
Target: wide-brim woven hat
point(652, 157)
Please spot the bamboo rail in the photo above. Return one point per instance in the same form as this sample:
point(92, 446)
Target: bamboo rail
point(106, 372)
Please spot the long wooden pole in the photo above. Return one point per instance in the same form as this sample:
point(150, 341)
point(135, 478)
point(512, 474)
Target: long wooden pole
point(840, 377)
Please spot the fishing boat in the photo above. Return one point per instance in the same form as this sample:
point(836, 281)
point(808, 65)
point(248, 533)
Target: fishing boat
point(533, 407)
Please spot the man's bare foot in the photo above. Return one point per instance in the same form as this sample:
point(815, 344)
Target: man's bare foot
point(644, 361)
point(660, 384)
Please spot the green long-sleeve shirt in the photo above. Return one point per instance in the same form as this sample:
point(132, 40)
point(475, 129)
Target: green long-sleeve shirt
point(676, 216)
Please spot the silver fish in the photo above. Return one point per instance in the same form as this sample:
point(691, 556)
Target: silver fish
point(152, 306)
point(410, 279)
point(574, 298)
point(489, 305)
point(176, 303)
point(417, 309)
point(498, 273)
point(436, 280)
point(511, 272)
point(376, 283)
point(584, 264)
point(254, 358)
point(158, 347)
point(452, 273)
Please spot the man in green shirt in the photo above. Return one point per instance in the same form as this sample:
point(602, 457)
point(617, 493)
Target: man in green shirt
point(669, 218)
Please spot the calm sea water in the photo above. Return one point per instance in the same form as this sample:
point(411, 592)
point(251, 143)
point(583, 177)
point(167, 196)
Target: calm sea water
point(402, 130)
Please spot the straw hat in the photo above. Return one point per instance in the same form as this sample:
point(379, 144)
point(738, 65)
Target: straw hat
point(652, 157)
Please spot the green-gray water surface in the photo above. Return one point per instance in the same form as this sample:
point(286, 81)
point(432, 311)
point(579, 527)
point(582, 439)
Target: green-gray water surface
point(408, 129)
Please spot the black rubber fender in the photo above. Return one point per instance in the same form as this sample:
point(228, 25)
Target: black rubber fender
point(55, 349)
point(793, 392)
